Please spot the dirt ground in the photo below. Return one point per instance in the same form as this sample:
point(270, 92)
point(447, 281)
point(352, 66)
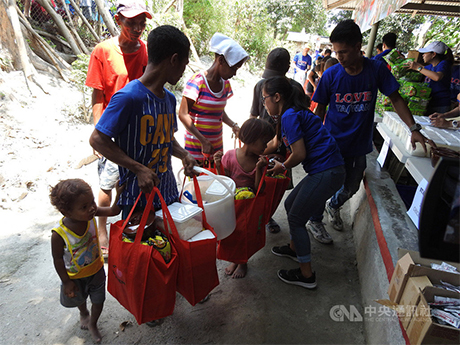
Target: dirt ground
point(41, 143)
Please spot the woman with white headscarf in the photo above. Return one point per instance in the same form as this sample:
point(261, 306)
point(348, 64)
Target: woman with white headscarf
point(202, 109)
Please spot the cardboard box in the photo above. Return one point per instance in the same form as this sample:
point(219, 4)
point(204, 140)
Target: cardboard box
point(414, 54)
point(423, 329)
point(410, 298)
point(411, 264)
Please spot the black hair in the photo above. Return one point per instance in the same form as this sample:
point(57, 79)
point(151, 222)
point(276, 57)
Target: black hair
point(255, 129)
point(329, 63)
point(165, 41)
point(327, 51)
point(348, 32)
point(390, 40)
point(294, 97)
point(323, 63)
point(379, 46)
point(63, 195)
point(449, 56)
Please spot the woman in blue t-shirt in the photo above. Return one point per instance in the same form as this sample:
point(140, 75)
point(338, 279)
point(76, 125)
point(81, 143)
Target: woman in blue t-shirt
point(438, 73)
point(310, 144)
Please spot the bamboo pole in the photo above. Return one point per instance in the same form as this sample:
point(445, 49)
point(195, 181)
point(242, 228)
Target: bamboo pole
point(25, 22)
point(106, 17)
point(85, 21)
point(61, 25)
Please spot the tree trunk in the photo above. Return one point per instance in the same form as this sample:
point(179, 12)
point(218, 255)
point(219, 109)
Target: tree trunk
point(61, 25)
point(24, 58)
point(26, 66)
point(7, 39)
point(106, 17)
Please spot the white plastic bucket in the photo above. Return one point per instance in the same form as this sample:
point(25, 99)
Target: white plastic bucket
point(220, 213)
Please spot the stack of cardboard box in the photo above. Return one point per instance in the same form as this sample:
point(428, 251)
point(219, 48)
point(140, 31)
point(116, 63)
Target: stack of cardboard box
point(412, 288)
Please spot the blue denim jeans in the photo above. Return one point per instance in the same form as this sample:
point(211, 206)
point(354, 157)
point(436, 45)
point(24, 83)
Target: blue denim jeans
point(354, 169)
point(307, 199)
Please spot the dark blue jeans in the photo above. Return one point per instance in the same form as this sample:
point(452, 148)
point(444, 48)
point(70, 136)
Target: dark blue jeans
point(307, 199)
point(354, 169)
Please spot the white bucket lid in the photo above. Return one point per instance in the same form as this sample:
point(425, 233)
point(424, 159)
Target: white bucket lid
point(180, 213)
point(216, 188)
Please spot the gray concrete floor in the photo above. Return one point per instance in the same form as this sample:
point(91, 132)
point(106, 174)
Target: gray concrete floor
point(259, 309)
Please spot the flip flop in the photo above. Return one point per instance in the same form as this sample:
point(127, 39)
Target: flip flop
point(272, 226)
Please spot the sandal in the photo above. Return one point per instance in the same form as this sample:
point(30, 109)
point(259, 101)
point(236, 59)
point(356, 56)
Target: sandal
point(272, 226)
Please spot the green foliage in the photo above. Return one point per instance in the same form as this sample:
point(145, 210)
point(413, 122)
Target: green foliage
point(403, 25)
point(334, 17)
point(202, 18)
point(6, 64)
point(445, 29)
point(294, 15)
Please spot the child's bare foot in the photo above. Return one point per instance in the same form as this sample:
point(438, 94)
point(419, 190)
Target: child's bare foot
point(240, 271)
point(97, 337)
point(230, 269)
point(84, 320)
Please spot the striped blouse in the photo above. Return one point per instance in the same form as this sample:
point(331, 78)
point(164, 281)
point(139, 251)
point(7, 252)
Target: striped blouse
point(206, 113)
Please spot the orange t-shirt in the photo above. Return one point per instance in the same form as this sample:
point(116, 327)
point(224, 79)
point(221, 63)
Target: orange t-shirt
point(110, 70)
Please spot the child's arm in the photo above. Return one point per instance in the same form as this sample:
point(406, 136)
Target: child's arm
point(272, 146)
point(261, 163)
point(297, 156)
point(57, 250)
point(218, 161)
point(114, 209)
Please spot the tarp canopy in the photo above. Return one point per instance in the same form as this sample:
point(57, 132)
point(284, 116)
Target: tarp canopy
point(368, 12)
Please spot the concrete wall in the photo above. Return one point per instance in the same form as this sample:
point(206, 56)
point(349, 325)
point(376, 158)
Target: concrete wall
point(399, 232)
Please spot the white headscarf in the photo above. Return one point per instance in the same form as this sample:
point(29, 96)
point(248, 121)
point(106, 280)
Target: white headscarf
point(227, 47)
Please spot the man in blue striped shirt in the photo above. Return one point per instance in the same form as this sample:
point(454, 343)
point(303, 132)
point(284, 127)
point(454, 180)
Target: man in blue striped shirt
point(141, 118)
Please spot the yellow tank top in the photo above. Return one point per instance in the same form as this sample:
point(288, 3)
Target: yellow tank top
point(82, 254)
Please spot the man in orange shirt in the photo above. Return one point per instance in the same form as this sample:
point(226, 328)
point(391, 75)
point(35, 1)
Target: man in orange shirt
point(113, 64)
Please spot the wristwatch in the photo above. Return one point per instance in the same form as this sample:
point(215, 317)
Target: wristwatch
point(415, 127)
point(455, 123)
point(420, 68)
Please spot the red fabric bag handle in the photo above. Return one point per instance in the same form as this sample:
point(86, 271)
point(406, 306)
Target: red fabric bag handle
point(167, 218)
point(199, 200)
point(208, 158)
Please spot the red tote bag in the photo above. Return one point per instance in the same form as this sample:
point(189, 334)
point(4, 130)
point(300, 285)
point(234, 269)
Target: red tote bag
point(197, 261)
point(251, 217)
point(210, 165)
point(138, 276)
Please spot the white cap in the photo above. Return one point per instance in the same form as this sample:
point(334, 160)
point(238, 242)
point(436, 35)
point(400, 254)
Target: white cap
point(437, 46)
point(232, 51)
point(132, 8)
